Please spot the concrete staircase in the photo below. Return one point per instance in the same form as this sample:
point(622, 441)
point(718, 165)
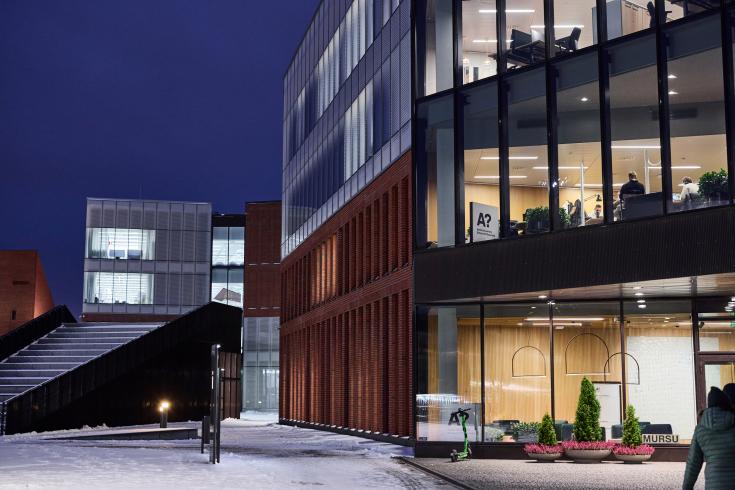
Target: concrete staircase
point(65, 348)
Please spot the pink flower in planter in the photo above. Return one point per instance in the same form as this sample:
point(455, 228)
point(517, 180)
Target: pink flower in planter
point(592, 445)
point(642, 450)
point(542, 449)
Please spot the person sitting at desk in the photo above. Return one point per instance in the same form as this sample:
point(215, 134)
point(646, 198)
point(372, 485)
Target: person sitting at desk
point(632, 187)
point(597, 212)
point(689, 190)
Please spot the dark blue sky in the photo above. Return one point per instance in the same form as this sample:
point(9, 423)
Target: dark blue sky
point(101, 97)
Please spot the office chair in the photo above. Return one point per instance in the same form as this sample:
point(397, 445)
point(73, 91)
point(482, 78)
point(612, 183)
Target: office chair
point(570, 42)
point(517, 40)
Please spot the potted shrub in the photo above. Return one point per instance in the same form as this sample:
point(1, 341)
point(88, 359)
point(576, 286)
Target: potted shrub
point(547, 448)
point(525, 431)
point(493, 434)
point(713, 186)
point(631, 450)
point(537, 219)
point(587, 446)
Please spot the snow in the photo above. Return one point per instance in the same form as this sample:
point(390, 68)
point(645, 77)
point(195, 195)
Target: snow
point(255, 454)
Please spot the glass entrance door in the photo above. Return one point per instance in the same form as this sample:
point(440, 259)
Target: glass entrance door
point(716, 371)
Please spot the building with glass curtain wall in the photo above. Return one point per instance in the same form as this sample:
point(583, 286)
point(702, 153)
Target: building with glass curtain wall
point(228, 258)
point(145, 260)
point(573, 215)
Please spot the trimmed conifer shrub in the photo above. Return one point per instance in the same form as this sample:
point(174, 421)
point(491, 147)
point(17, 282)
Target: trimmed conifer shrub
point(546, 432)
point(631, 429)
point(587, 420)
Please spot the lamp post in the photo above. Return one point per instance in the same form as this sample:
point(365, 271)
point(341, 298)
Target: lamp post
point(163, 409)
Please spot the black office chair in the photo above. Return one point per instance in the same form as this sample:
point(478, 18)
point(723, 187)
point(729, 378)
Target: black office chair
point(517, 40)
point(657, 429)
point(571, 42)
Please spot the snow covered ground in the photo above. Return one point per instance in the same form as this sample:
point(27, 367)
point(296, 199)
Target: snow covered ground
point(255, 454)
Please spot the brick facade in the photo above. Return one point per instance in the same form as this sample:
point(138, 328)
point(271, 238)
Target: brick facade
point(262, 259)
point(24, 292)
point(346, 346)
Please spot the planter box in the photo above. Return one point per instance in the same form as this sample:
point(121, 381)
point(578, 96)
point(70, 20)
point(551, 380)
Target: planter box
point(633, 458)
point(587, 455)
point(544, 457)
point(527, 437)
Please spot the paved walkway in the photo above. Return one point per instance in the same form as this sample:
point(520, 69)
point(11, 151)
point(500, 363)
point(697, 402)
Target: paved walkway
point(522, 475)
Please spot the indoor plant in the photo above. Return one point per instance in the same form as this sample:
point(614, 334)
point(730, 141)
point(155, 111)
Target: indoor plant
point(632, 450)
point(537, 219)
point(547, 448)
point(713, 185)
point(587, 446)
point(525, 431)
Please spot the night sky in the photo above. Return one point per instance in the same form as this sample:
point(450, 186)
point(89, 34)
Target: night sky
point(164, 99)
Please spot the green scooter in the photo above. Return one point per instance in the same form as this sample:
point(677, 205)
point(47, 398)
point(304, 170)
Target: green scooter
point(461, 414)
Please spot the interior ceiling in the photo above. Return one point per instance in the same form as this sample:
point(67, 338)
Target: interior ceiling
point(709, 285)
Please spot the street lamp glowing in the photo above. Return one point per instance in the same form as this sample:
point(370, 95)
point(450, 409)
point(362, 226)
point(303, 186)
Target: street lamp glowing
point(164, 406)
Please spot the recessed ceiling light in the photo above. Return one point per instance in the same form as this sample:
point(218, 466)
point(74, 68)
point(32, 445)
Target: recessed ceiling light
point(639, 294)
point(641, 301)
point(542, 296)
point(584, 99)
point(673, 92)
point(642, 306)
point(671, 76)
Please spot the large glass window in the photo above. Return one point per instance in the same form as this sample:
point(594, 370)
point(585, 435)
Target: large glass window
point(517, 371)
point(220, 248)
point(524, 20)
point(118, 287)
point(697, 113)
point(434, 46)
point(481, 164)
point(636, 147)
point(479, 40)
point(528, 157)
point(236, 252)
point(716, 323)
point(660, 366)
point(450, 367)
point(587, 344)
point(120, 243)
point(628, 16)
point(435, 161)
point(580, 165)
point(574, 25)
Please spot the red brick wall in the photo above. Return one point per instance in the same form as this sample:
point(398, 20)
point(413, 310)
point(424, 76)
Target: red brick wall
point(262, 259)
point(346, 314)
point(23, 288)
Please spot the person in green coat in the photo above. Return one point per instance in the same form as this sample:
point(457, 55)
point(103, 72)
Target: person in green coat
point(713, 442)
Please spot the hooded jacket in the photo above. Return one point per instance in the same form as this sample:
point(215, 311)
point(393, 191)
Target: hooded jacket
point(713, 442)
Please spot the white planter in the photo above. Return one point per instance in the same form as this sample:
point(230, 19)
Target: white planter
point(633, 458)
point(544, 457)
point(587, 455)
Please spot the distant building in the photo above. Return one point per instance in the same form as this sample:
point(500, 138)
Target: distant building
point(228, 258)
point(145, 260)
point(24, 292)
point(262, 306)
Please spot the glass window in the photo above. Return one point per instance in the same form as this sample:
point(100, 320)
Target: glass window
point(435, 161)
point(118, 287)
point(697, 113)
point(524, 20)
point(479, 40)
point(517, 371)
point(587, 344)
point(481, 163)
point(236, 251)
point(574, 25)
point(220, 292)
point(716, 322)
point(580, 165)
point(636, 147)
point(220, 253)
point(628, 16)
point(434, 46)
point(660, 366)
point(120, 243)
point(450, 342)
point(235, 287)
point(528, 164)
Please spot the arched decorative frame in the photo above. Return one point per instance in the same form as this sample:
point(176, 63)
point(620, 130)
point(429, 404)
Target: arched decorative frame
point(513, 363)
point(566, 365)
point(637, 368)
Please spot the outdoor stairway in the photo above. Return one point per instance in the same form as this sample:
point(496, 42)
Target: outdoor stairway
point(63, 349)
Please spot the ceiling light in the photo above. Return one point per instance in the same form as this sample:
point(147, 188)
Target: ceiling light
point(507, 11)
point(671, 76)
point(639, 294)
point(636, 287)
point(642, 306)
point(641, 301)
point(511, 158)
point(542, 296)
point(635, 147)
point(497, 177)
point(673, 92)
point(584, 99)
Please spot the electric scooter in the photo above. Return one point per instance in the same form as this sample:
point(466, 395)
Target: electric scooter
point(463, 414)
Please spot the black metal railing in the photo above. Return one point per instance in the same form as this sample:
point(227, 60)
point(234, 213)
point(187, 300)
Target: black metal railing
point(29, 332)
